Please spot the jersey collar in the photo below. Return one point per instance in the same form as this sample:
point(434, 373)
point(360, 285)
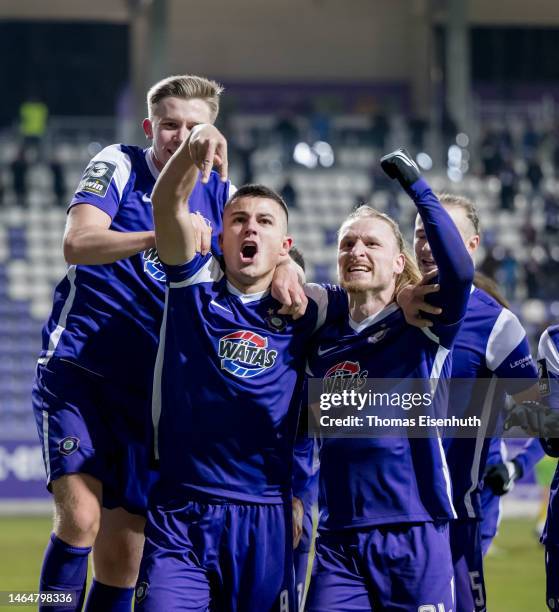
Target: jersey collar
point(151, 163)
point(374, 318)
point(246, 298)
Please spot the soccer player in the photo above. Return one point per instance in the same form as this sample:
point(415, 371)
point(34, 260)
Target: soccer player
point(93, 385)
point(218, 533)
point(385, 502)
point(500, 475)
point(491, 351)
point(548, 362)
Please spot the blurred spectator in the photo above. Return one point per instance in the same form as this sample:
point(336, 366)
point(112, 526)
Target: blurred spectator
point(288, 133)
point(490, 155)
point(507, 275)
point(508, 179)
point(532, 274)
point(490, 264)
point(289, 194)
point(33, 115)
point(504, 141)
point(534, 173)
point(242, 148)
point(320, 122)
point(19, 167)
point(58, 181)
point(528, 230)
point(530, 140)
point(551, 212)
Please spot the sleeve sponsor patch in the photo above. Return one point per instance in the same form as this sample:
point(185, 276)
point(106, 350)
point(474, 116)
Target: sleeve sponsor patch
point(543, 376)
point(97, 178)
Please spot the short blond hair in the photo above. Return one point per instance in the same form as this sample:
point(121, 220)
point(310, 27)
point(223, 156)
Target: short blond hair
point(186, 86)
point(410, 274)
point(451, 200)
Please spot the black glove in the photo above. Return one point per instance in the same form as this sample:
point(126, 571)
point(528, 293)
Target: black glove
point(400, 165)
point(534, 418)
point(550, 446)
point(500, 477)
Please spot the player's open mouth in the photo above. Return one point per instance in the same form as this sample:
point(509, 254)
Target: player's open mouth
point(428, 263)
point(248, 251)
point(358, 269)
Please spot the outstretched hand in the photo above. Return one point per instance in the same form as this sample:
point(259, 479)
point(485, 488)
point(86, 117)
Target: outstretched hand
point(411, 300)
point(208, 148)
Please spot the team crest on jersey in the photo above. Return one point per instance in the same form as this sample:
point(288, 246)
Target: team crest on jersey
point(274, 321)
point(97, 178)
point(246, 354)
point(152, 265)
point(344, 376)
point(141, 591)
point(543, 376)
point(69, 445)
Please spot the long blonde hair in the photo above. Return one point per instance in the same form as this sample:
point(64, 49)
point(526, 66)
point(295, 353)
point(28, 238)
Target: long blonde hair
point(410, 274)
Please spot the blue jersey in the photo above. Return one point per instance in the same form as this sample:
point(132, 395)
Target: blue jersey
point(106, 318)
point(372, 481)
point(375, 481)
point(492, 351)
point(227, 369)
point(548, 364)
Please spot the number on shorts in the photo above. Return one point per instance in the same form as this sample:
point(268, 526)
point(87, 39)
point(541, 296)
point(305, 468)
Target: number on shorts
point(477, 587)
point(284, 601)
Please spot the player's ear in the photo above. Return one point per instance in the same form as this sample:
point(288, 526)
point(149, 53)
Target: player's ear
point(473, 243)
point(220, 240)
point(148, 128)
point(399, 263)
point(286, 245)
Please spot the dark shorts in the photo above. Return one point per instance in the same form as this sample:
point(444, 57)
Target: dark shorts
point(88, 425)
point(217, 556)
point(396, 567)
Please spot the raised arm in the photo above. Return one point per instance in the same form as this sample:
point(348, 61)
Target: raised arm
point(456, 269)
point(174, 233)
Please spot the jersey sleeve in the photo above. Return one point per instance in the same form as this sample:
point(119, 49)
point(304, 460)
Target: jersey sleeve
point(529, 455)
point(200, 269)
point(456, 269)
point(104, 181)
point(331, 302)
point(548, 366)
point(507, 354)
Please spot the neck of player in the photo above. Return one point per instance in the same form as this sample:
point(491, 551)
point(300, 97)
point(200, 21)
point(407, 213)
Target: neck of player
point(248, 284)
point(363, 304)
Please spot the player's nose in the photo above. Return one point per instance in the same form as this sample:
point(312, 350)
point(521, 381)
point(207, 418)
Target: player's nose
point(181, 134)
point(426, 248)
point(357, 249)
point(251, 226)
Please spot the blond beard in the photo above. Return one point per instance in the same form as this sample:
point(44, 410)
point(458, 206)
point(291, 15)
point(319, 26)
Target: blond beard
point(357, 286)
